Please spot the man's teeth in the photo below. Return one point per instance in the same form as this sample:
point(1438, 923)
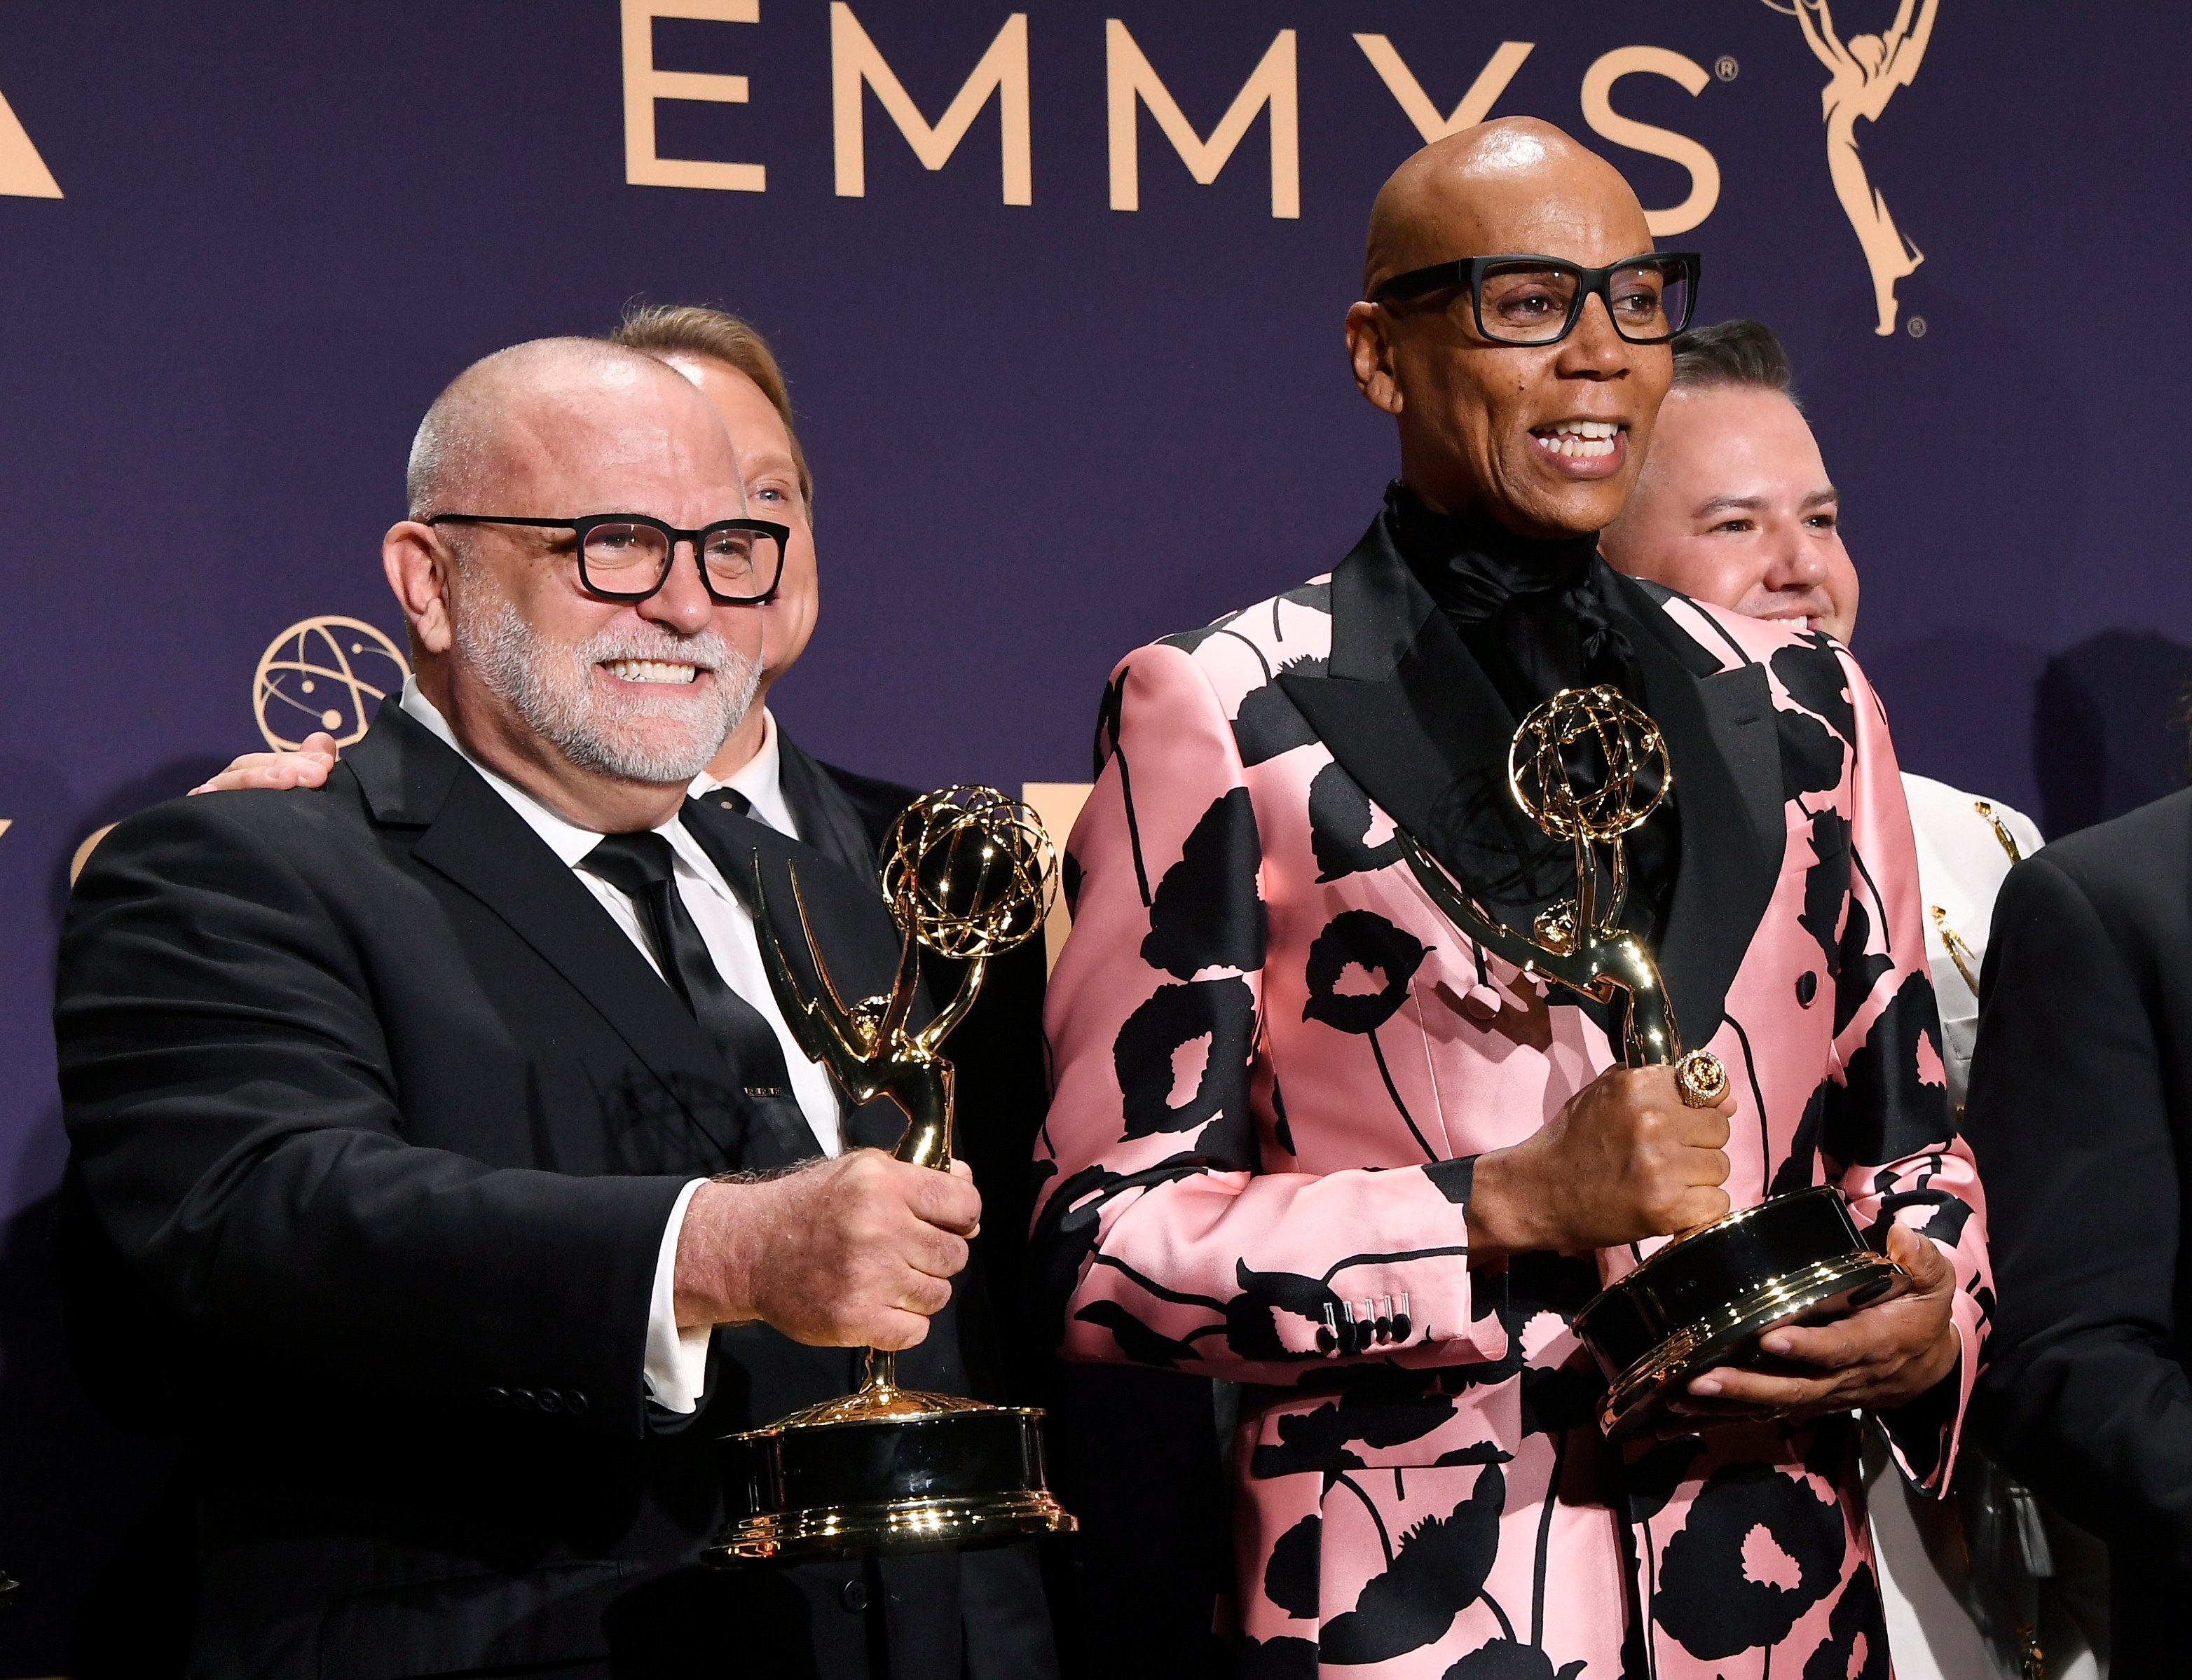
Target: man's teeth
point(650, 670)
point(1579, 440)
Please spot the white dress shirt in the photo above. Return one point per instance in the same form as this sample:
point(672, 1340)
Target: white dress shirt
point(676, 1360)
point(758, 780)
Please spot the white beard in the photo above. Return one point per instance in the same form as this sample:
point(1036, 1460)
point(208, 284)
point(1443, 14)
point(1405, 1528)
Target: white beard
point(551, 685)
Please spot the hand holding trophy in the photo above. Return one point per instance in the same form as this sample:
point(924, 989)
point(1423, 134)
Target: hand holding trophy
point(969, 874)
point(1588, 767)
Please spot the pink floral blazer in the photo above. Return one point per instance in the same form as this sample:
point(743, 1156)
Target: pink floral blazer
point(1274, 1063)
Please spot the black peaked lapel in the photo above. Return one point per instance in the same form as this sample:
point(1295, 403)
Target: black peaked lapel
point(828, 820)
point(1409, 714)
point(472, 838)
point(1725, 754)
point(854, 932)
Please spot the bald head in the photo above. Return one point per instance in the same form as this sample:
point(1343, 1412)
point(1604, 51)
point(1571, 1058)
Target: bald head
point(1542, 437)
point(1516, 184)
point(519, 413)
point(600, 692)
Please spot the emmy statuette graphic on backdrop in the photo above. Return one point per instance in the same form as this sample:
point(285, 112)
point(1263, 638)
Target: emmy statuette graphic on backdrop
point(1865, 71)
point(1587, 766)
point(969, 874)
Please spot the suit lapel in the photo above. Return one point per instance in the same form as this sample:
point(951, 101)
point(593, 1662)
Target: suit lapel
point(1405, 710)
point(473, 839)
point(1725, 754)
point(1409, 714)
point(828, 820)
point(854, 933)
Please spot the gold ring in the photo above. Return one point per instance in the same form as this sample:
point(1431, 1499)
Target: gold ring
point(1701, 1079)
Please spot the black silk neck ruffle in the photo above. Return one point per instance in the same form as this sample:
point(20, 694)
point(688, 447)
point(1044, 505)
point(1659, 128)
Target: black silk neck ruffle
point(1534, 613)
point(1537, 617)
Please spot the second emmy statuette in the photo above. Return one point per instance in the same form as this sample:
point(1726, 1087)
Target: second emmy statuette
point(969, 874)
point(1588, 767)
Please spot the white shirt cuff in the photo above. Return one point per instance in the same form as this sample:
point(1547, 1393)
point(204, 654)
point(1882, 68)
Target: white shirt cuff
point(676, 1360)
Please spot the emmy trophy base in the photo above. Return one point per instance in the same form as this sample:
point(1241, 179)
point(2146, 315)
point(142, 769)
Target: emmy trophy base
point(1705, 1298)
point(885, 1470)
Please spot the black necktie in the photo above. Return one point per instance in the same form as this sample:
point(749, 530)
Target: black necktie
point(732, 800)
point(639, 866)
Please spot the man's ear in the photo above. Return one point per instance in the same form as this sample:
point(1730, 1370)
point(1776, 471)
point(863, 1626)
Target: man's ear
point(1370, 348)
point(417, 562)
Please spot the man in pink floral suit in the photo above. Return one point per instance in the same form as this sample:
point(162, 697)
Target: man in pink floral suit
point(1308, 1137)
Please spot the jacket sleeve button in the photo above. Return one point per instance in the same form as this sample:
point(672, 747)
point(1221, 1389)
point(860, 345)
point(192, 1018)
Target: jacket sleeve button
point(574, 1403)
point(853, 1595)
point(551, 1401)
point(499, 1398)
point(522, 1399)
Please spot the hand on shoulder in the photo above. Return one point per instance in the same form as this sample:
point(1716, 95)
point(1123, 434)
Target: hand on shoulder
point(307, 767)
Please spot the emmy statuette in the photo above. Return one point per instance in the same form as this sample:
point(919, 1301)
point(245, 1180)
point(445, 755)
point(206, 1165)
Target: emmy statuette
point(967, 873)
point(1587, 766)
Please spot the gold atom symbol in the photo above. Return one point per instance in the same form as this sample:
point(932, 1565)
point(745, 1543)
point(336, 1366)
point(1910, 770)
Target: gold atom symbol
point(324, 674)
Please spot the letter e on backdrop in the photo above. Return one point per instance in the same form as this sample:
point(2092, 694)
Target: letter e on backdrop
point(643, 84)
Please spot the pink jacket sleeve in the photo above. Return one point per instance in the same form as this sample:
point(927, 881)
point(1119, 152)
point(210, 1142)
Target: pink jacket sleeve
point(1884, 1119)
point(1158, 1237)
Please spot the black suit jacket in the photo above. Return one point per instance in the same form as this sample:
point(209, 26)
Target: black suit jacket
point(2080, 1115)
point(376, 1119)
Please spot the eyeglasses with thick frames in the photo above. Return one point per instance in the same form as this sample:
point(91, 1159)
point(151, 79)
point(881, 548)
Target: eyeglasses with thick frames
point(627, 556)
point(1525, 300)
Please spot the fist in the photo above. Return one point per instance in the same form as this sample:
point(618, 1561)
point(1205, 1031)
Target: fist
point(307, 767)
point(854, 1252)
point(1625, 1159)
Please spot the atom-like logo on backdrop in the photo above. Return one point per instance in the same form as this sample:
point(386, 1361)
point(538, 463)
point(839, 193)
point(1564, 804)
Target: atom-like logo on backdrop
point(326, 674)
point(1862, 74)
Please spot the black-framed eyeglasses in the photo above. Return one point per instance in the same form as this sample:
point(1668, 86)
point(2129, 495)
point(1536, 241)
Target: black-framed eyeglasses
point(1525, 300)
point(627, 556)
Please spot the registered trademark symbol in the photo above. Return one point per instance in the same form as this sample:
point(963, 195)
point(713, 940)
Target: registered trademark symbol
point(1725, 67)
point(1916, 327)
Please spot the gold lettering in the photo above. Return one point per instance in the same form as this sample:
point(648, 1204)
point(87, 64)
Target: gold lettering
point(1475, 105)
point(1598, 111)
point(1130, 79)
point(1003, 71)
point(643, 84)
point(23, 172)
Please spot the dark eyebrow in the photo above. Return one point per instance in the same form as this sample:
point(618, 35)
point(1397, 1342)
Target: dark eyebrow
point(1753, 504)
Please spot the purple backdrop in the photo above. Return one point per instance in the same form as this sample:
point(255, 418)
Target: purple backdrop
point(1043, 433)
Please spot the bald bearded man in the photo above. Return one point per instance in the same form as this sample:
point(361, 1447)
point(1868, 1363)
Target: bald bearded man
point(1307, 1136)
point(440, 1167)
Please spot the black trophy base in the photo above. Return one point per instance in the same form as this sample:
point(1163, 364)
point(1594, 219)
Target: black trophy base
point(1706, 1298)
point(885, 1470)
